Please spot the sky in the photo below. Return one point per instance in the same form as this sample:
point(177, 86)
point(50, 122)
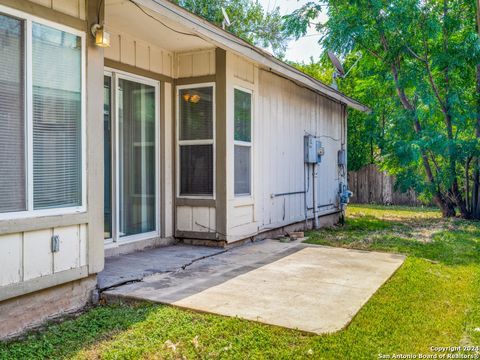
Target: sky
point(303, 48)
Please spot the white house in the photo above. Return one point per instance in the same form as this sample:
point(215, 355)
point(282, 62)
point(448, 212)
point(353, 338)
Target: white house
point(178, 131)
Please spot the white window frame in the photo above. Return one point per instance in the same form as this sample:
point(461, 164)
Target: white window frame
point(195, 142)
point(243, 143)
point(117, 238)
point(28, 103)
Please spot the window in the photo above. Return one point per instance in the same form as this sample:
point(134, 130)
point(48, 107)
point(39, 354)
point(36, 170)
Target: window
point(12, 114)
point(242, 142)
point(196, 144)
point(41, 160)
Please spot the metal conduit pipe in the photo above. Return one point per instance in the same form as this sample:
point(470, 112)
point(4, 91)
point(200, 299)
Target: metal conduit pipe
point(305, 174)
point(314, 191)
point(321, 206)
point(288, 193)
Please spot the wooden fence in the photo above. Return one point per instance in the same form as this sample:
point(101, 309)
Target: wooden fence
point(372, 186)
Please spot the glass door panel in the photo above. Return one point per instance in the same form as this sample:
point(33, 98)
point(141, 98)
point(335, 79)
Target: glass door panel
point(137, 160)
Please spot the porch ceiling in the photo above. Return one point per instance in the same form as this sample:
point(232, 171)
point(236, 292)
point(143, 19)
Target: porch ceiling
point(126, 17)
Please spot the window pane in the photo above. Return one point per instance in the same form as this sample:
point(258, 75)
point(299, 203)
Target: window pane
point(243, 115)
point(196, 114)
point(57, 175)
point(107, 156)
point(12, 117)
point(136, 111)
point(242, 170)
point(196, 170)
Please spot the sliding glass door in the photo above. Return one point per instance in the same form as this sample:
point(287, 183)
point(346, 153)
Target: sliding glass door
point(133, 156)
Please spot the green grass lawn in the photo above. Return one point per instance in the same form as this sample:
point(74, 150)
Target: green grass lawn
point(432, 300)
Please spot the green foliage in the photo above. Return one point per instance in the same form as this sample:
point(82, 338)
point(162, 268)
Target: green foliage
point(431, 299)
point(249, 21)
point(418, 68)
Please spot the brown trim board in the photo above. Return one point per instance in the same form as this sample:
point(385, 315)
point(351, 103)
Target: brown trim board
point(221, 142)
point(137, 71)
point(46, 13)
point(195, 202)
point(196, 80)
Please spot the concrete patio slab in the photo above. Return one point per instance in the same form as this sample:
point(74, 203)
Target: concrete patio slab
point(311, 288)
point(136, 266)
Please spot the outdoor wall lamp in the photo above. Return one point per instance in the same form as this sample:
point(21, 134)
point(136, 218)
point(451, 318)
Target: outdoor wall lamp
point(102, 37)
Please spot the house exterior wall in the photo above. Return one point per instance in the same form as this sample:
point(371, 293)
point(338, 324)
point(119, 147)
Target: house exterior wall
point(129, 50)
point(75, 8)
point(27, 262)
point(197, 218)
point(194, 63)
point(283, 113)
point(137, 57)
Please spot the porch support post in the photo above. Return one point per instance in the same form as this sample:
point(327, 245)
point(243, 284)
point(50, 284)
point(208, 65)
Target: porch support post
point(94, 115)
point(221, 143)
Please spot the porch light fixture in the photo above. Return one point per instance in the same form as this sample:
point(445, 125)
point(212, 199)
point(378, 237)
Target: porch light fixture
point(102, 37)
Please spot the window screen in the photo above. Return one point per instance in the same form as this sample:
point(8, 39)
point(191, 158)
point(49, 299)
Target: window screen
point(12, 117)
point(242, 170)
point(196, 141)
point(243, 115)
point(196, 113)
point(196, 170)
point(56, 118)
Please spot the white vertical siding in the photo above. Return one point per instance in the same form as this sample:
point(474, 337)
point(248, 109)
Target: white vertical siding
point(132, 51)
point(283, 113)
point(288, 112)
point(28, 255)
point(198, 218)
point(11, 259)
point(198, 63)
point(74, 8)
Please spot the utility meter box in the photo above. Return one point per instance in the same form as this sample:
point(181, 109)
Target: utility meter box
point(313, 149)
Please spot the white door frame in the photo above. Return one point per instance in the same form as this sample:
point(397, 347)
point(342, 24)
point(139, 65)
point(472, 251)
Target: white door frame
point(117, 239)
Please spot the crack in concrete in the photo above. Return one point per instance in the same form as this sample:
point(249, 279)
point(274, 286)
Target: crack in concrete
point(203, 258)
point(126, 282)
point(140, 279)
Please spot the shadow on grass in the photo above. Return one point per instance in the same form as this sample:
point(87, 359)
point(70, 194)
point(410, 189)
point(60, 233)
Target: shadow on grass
point(65, 339)
point(451, 242)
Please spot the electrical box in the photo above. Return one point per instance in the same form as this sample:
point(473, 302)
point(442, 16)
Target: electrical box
point(342, 157)
point(310, 149)
point(55, 243)
point(313, 149)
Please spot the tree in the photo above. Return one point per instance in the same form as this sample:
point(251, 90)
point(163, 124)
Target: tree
point(424, 53)
point(249, 21)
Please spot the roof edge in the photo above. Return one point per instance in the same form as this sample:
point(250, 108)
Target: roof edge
point(224, 39)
